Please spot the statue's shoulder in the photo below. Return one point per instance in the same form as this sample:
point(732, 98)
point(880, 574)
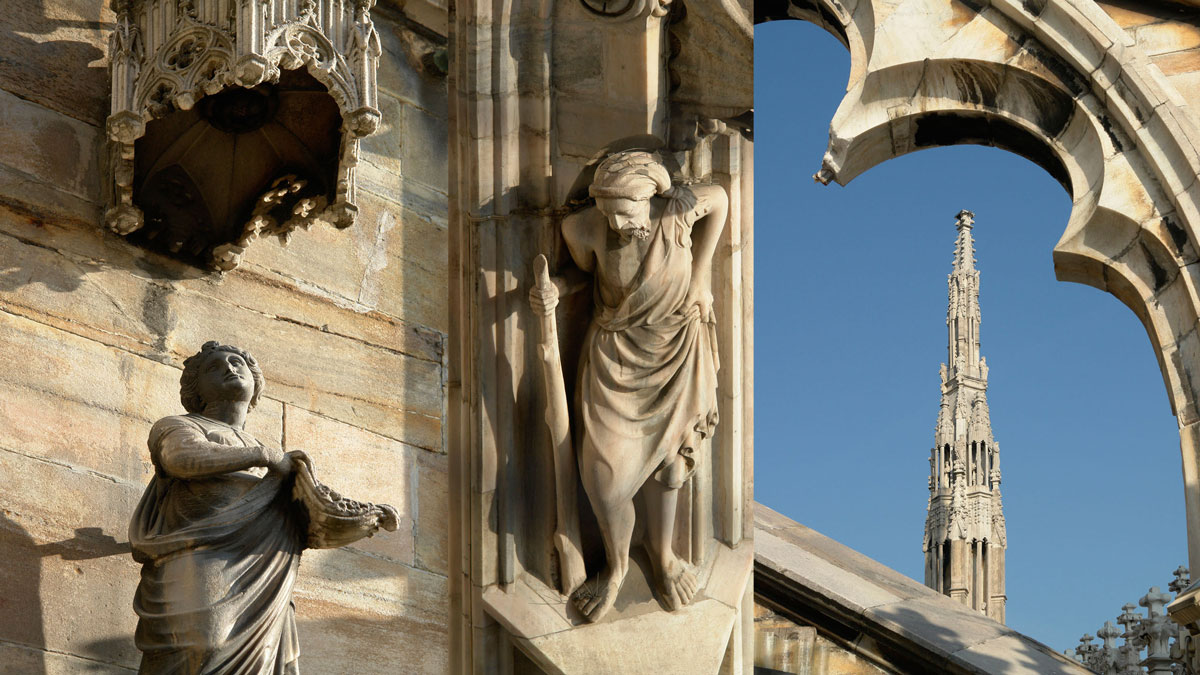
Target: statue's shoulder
point(584, 225)
point(172, 423)
point(704, 198)
point(584, 232)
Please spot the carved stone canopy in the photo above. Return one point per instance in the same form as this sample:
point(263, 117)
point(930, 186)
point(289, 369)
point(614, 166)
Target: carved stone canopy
point(235, 119)
point(710, 43)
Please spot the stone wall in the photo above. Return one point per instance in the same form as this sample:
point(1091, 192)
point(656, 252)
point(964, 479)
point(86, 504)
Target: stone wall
point(783, 646)
point(348, 326)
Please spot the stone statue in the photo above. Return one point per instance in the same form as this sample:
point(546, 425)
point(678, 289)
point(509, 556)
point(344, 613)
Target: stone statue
point(648, 371)
point(221, 526)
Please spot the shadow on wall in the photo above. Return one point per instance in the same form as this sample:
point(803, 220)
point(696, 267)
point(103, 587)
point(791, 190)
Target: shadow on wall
point(40, 61)
point(21, 620)
point(331, 645)
point(20, 603)
point(34, 269)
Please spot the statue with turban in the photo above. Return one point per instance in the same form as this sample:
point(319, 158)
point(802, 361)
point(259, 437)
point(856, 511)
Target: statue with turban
point(647, 396)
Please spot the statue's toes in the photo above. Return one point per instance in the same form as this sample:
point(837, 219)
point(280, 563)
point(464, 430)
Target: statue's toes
point(590, 606)
point(688, 592)
point(672, 597)
point(690, 586)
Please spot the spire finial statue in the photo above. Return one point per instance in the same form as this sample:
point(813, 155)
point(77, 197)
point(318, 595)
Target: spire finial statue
point(964, 253)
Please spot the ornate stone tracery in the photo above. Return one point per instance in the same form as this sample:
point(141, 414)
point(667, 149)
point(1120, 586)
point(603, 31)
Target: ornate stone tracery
point(169, 56)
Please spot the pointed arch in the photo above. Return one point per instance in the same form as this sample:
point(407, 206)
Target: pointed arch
point(1068, 90)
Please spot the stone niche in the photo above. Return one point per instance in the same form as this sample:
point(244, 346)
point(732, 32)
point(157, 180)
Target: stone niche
point(236, 119)
point(538, 533)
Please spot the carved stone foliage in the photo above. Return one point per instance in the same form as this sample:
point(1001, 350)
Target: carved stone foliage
point(232, 119)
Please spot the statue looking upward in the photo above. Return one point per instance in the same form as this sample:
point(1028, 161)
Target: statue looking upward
point(220, 529)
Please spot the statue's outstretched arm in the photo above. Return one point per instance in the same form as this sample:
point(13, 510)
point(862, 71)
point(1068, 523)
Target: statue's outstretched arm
point(184, 452)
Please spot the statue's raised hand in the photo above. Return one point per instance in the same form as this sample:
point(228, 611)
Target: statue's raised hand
point(543, 296)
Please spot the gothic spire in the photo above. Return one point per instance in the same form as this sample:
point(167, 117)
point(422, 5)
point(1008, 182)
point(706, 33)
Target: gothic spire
point(965, 534)
point(962, 314)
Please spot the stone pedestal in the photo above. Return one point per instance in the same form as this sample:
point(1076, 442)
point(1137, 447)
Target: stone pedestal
point(636, 637)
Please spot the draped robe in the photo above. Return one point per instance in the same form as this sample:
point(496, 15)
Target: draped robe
point(219, 554)
point(649, 369)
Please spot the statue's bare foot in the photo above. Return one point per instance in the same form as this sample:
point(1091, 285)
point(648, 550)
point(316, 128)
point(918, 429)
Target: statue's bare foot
point(677, 583)
point(597, 595)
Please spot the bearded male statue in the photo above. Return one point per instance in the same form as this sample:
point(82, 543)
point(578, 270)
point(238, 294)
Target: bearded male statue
point(646, 397)
point(221, 526)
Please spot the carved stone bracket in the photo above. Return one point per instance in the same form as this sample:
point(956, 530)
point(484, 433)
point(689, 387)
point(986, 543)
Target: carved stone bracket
point(281, 200)
point(1185, 609)
point(169, 55)
point(710, 42)
point(627, 9)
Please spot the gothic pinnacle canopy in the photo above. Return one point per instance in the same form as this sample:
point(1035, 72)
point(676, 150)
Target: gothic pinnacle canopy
point(236, 120)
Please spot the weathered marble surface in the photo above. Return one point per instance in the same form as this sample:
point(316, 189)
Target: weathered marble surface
point(637, 635)
point(785, 647)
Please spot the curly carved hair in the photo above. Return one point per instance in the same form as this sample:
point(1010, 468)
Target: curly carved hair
point(189, 393)
point(631, 174)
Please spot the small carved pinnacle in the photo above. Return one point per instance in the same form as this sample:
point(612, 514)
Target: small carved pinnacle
point(1182, 580)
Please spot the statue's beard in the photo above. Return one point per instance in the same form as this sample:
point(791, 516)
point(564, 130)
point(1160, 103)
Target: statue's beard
point(637, 232)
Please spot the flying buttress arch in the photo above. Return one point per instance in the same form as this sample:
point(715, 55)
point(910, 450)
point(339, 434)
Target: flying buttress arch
point(1062, 85)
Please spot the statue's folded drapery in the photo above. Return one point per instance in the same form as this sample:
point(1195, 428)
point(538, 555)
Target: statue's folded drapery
point(649, 371)
point(219, 553)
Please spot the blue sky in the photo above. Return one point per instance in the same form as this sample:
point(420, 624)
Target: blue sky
point(850, 302)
